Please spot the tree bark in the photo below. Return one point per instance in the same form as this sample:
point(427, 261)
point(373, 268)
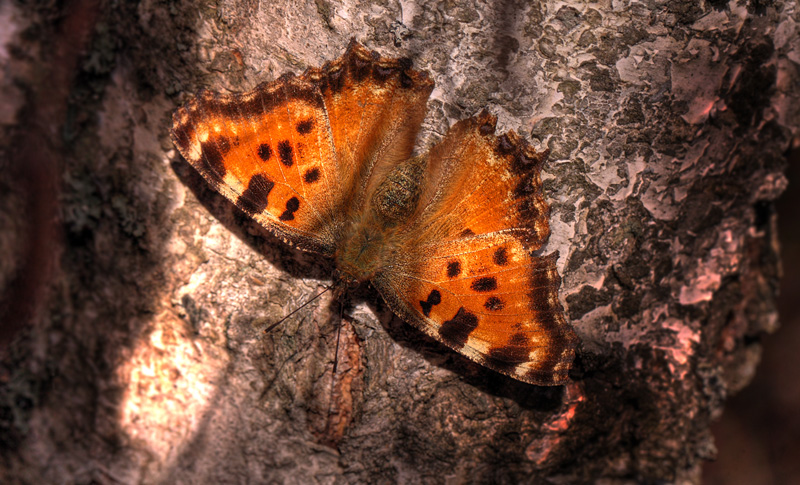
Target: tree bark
point(144, 359)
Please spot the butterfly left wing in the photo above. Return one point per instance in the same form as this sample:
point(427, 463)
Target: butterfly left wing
point(297, 154)
point(472, 280)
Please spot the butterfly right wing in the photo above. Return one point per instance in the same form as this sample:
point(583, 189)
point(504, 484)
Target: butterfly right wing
point(470, 278)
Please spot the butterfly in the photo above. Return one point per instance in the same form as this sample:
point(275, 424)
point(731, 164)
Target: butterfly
point(325, 162)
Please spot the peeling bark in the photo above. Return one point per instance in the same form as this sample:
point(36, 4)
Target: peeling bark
point(146, 362)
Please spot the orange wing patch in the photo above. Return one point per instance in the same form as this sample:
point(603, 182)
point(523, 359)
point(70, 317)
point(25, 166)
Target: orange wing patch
point(375, 106)
point(484, 184)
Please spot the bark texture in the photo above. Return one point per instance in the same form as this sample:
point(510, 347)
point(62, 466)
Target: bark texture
point(143, 357)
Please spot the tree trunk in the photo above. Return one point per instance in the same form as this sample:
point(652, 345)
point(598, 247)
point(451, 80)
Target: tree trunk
point(141, 357)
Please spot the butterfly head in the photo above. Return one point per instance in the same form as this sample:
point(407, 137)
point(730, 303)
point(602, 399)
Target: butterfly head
point(343, 280)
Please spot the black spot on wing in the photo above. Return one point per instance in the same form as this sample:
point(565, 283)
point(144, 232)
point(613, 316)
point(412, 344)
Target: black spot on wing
point(487, 283)
point(500, 257)
point(494, 304)
point(285, 153)
point(255, 197)
point(305, 126)
point(264, 152)
point(311, 175)
point(455, 331)
point(511, 355)
point(213, 153)
point(434, 298)
point(453, 269)
point(291, 207)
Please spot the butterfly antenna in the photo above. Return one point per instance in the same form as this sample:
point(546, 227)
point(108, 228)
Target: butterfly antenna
point(268, 329)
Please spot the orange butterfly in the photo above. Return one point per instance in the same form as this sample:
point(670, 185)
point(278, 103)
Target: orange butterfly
point(324, 161)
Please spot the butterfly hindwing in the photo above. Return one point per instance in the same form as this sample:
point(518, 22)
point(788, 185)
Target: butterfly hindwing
point(497, 305)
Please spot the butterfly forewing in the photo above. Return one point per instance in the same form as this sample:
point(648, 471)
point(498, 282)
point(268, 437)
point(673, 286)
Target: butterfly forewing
point(375, 106)
point(479, 183)
point(298, 153)
point(257, 150)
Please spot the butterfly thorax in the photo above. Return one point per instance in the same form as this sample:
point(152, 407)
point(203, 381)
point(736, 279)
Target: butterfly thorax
point(374, 236)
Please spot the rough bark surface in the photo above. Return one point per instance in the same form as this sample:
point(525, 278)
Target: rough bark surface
point(145, 360)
